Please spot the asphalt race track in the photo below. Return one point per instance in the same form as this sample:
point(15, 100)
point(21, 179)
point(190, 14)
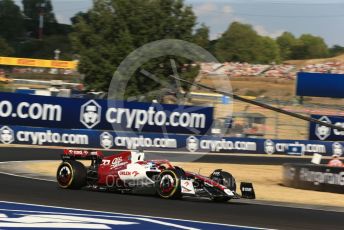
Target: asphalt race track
point(18, 189)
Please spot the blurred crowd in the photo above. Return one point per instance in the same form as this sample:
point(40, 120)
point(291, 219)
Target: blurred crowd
point(236, 69)
point(232, 69)
point(328, 67)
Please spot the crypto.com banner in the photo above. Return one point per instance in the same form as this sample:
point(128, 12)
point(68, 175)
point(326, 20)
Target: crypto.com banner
point(160, 142)
point(73, 113)
point(324, 133)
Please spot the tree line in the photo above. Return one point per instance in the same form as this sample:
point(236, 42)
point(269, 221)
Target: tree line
point(240, 42)
point(104, 35)
point(19, 30)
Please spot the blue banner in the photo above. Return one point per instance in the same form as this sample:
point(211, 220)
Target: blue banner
point(160, 142)
point(73, 113)
point(323, 133)
point(320, 85)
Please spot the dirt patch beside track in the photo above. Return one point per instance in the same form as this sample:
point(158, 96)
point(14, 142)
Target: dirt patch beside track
point(266, 179)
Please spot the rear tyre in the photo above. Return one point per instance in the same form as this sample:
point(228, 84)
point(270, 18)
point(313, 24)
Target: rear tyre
point(168, 184)
point(71, 175)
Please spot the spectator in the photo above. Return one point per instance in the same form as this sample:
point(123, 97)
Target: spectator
point(335, 162)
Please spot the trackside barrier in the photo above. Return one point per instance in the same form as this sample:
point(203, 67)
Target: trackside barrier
point(171, 142)
point(323, 133)
point(320, 85)
point(38, 63)
point(75, 113)
point(314, 177)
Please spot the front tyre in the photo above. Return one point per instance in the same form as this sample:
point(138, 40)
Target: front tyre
point(168, 185)
point(224, 178)
point(71, 175)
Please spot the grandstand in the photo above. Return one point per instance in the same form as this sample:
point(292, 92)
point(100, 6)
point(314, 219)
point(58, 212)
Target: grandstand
point(286, 70)
point(274, 85)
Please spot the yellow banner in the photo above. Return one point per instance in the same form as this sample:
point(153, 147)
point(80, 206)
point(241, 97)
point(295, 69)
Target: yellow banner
point(38, 63)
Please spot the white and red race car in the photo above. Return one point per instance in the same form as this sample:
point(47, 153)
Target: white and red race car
point(129, 172)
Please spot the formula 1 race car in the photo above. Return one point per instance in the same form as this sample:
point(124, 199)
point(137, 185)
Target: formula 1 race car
point(128, 171)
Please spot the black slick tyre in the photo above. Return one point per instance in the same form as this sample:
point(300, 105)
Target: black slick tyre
point(224, 178)
point(168, 185)
point(71, 175)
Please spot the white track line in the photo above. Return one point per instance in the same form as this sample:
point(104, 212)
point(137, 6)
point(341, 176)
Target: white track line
point(118, 213)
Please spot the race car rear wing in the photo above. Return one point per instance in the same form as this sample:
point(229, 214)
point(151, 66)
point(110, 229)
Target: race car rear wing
point(76, 154)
